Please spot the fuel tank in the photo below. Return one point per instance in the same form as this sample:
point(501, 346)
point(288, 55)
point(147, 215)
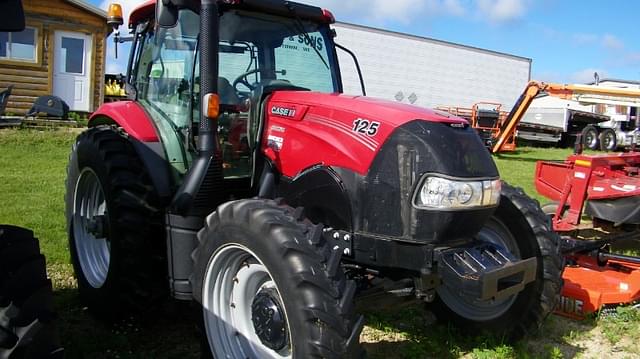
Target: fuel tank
point(377, 151)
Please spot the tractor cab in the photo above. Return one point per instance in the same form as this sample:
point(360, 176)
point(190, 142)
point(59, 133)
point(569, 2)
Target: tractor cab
point(258, 53)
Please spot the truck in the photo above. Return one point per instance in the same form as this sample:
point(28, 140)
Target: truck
point(428, 72)
point(606, 124)
point(239, 177)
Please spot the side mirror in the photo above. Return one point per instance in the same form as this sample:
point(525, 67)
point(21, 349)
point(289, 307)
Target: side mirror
point(166, 14)
point(11, 15)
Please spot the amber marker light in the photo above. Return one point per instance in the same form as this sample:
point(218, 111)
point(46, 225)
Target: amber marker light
point(211, 105)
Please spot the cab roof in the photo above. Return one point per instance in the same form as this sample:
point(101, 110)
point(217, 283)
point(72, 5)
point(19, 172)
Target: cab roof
point(275, 7)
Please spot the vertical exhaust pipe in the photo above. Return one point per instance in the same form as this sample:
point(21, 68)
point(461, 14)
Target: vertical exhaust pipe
point(201, 190)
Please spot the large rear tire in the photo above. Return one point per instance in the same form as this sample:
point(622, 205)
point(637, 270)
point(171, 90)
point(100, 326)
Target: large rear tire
point(270, 286)
point(116, 235)
point(519, 225)
point(27, 319)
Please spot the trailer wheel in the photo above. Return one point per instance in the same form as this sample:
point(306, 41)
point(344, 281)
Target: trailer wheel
point(27, 319)
point(520, 226)
point(608, 140)
point(590, 137)
point(116, 236)
point(270, 286)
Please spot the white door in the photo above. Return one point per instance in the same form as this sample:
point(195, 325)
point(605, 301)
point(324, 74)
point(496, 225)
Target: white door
point(72, 69)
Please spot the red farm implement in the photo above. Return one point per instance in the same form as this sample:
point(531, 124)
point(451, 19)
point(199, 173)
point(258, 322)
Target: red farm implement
point(605, 189)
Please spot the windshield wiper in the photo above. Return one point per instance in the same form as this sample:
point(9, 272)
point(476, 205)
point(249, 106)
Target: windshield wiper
point(301, 28)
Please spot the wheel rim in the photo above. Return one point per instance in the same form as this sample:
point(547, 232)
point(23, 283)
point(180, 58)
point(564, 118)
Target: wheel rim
point(90, 229)
point(494, 232)
point(590, 139)
point(236, 285)
point(609, 140)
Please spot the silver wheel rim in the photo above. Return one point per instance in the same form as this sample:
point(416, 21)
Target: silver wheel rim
point(609, 139)
point(590, 139)
point(90, 211)
point(479, 310)
point(233, 278)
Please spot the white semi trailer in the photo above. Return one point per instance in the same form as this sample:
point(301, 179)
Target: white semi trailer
point(428, 72)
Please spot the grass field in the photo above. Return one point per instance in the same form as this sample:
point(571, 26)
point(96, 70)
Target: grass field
point(31, 195)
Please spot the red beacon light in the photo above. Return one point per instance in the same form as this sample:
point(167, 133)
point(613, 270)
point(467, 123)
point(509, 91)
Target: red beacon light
point(328, 16)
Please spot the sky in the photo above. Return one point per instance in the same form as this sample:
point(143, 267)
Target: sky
point(568, 40)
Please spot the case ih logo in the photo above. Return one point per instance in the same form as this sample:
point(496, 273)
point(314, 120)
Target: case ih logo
point(283, 111)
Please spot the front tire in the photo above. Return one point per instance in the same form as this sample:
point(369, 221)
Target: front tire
point(520, 226)
point(116, 236)
point(270, 286)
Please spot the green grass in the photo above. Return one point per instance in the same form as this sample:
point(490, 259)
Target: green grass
point(33, 170)
point(518, 168)
point(32, 195)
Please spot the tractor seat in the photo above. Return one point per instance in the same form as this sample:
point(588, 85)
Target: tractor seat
point(227, 93)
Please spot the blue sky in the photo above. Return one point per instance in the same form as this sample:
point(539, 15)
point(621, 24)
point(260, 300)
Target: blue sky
point(567, 40)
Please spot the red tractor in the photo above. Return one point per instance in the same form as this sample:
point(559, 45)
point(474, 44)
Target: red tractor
point(238, 176)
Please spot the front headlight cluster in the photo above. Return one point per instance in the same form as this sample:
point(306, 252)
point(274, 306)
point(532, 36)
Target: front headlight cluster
point(456, 194)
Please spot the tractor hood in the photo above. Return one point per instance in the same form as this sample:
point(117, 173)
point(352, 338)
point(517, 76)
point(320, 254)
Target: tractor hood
point(392, 113)
point(349, 132)
point(380, 151)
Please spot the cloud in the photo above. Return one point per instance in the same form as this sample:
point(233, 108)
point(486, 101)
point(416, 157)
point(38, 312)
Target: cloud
point(587, 75)
point(611, 42)
point(406, 11)
point(398, 10)
point(402, 11)
point(584, 39)
point(499, 11)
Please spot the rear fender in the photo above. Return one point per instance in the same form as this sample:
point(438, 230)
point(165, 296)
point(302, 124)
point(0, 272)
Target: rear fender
point(130, 116)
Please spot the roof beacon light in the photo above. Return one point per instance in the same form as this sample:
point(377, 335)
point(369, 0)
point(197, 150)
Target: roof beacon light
point(114, 15)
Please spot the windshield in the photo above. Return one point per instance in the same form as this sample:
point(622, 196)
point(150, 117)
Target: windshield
point(257, 47)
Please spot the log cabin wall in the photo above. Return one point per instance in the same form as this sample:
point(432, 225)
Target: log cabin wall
point(33, 79)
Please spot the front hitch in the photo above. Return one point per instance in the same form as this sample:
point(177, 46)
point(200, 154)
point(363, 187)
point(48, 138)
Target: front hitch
point(485, 271)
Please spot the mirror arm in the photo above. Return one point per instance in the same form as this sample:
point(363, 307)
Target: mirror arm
point(117, 39)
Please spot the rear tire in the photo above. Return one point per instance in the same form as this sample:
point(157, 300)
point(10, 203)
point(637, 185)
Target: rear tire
point(116, 235)
point(608, 140)
point(27, 319)
point(256, 257)
point(525, 230)
point(590, 137)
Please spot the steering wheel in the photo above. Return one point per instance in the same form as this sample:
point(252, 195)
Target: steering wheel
point(242, 79)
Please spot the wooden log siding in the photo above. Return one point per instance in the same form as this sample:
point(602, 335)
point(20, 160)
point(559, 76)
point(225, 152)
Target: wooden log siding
point(30, 80)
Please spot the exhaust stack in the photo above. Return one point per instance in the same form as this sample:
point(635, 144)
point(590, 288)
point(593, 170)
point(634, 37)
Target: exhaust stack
point(200, 191)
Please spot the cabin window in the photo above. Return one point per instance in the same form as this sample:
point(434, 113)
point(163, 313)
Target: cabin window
point(19, 46)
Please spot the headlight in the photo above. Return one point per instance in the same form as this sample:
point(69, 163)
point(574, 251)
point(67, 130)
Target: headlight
point(444, 193)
